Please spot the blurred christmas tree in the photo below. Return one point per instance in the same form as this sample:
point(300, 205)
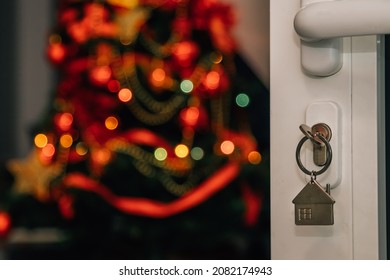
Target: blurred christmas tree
point(156, 142)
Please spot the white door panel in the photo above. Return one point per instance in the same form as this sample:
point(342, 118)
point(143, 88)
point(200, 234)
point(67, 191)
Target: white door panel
point(355, 234)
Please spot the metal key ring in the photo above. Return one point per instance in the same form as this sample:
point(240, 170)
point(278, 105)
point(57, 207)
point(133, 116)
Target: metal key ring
point(328, 156)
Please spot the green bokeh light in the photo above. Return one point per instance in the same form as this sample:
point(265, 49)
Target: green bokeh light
point(160, 154)
point(197, 153)
point(242, 100)
point(186, 86)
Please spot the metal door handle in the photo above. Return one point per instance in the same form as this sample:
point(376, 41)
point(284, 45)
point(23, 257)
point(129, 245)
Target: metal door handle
point(321, 24)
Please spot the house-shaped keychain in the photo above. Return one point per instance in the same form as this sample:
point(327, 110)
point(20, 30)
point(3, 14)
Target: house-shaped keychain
point(314, 205)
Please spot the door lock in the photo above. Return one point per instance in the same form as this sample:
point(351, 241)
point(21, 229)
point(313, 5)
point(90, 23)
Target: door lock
point(319, 146)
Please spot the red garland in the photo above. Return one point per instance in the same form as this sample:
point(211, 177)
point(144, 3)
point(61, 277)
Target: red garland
point(253, 204)
point(5, 223)
point(156, 209)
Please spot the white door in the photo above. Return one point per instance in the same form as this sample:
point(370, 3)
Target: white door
point(352, 101)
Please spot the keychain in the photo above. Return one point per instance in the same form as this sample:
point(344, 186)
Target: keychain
point(313, 204)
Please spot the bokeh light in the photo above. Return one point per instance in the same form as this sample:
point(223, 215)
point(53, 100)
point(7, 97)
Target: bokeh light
point(64, 121)
point(186, 86)
point(113, 86)
point(190, 116)
point(81, 149)
point(5, 223)
point(197, 153)
point(40, 140)
point(66, 140)
point(101, 156)
point(227, 147)
point(216, 57)
point(181, 151)
point(48, 151)
point(111, 123)
point(254, 157)
point(212, 80)
point(160, 154)
point(125, 95)
point(242, 100)
point(158, 76)
point(101, 74)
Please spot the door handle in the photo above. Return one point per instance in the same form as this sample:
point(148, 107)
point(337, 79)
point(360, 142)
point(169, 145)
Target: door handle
point(321, 25)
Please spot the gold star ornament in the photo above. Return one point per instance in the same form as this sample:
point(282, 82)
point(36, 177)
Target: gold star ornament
point(32, 176)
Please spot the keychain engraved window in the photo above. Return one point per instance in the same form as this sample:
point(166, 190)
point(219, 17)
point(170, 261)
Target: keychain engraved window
point(313, 204)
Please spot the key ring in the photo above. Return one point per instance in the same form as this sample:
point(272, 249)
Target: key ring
point(328, 156)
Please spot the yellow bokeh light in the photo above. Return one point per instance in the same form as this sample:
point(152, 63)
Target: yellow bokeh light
point(227, 147)
point(40, 140)
point(66, 140)
point(181, 151)
point(254, 157)
point(160, 154)
point(111, 123)
point(81, 149)
point(125, 95)
point(128, 4)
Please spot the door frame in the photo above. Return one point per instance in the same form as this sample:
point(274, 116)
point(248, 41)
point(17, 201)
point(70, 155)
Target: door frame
point(360, 220)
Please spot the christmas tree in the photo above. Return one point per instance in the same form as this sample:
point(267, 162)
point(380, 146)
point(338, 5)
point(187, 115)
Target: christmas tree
point(155, 145)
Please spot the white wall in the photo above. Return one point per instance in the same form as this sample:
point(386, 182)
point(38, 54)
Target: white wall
point(34, 77)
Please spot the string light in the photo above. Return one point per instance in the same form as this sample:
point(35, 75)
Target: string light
point(242, 100)
point(185, 52)
point(160, 154)
point(227, 147)
point(186, 86)
point(125, 95)
point(254, 157)
point(128, 4)
point(190, 116)
point(66, 140)
point(197, 153)
point(81, 149)
point(55, 39)
point(216, 57)
point(56, 52)
point(48, 151)
point(5, 223)
point(158, 77)
point(102, 156)
point(113, 86)
point(111, 123)
point(101, 74)
point(212, 80)
point(40, 140)
point(64, 121)
point(181, 151)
